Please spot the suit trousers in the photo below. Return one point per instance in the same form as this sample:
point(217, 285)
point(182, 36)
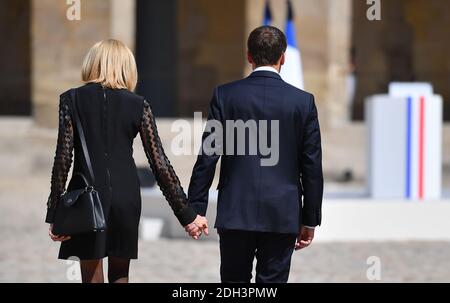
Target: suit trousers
point(273, 253)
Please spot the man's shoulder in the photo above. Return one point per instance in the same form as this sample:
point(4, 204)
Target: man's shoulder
point(242, 85)
point(281, 87)
point(297, 92)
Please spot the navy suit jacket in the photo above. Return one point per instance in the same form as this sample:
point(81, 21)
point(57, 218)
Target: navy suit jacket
point(254, 197)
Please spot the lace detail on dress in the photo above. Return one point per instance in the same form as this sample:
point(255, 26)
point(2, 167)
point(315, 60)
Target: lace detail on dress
point(63, 157)
point(162, 169)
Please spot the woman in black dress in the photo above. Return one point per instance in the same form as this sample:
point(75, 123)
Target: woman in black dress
point(112, 116)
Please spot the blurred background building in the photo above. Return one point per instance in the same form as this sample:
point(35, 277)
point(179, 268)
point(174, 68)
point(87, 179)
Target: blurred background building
point(184, 48)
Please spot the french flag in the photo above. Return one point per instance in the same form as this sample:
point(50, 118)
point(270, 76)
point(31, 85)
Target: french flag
point(267, 14)
point(423, 147)
point(292, 71)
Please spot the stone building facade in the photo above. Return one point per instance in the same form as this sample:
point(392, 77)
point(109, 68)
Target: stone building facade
point(186, 47)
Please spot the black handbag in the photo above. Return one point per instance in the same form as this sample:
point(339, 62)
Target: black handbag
point(80, 209)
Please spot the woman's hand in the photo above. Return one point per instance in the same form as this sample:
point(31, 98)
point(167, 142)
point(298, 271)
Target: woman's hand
point(56, 238)
point(196, 228)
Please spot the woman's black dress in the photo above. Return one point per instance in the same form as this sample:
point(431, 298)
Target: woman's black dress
point(111, 119)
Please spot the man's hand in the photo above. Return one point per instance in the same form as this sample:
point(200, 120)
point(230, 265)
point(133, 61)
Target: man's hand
point(196, 228)
point(305, 238)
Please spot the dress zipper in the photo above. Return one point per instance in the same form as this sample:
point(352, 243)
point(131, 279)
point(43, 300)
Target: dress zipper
point(106, 141)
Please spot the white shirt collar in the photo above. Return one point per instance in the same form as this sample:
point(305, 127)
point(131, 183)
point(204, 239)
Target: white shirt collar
point(265, 68)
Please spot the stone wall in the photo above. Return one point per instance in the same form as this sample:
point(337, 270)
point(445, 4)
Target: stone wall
point(59, 46)
point(211, 48)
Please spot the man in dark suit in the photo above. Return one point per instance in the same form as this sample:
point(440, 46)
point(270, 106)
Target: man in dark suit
point(260, 211)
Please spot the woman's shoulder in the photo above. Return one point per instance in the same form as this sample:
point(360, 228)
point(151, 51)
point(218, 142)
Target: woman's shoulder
point(131, 96)
point(66, 94)
point(86, 88)
point(132, 99)
point(64, 98)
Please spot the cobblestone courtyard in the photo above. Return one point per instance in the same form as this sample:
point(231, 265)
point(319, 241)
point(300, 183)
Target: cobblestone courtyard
point(28, 255)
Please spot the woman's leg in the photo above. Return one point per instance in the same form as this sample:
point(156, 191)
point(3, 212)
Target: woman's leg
point(92, 271)
point(118, 270)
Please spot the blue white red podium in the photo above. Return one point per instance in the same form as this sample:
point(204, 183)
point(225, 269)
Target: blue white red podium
point(405, 142)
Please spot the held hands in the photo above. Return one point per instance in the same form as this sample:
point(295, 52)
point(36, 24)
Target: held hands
point(305, 238)
point(56, 238)
point(196, 228)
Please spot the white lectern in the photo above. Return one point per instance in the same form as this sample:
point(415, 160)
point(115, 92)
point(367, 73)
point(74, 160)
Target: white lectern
point(405, 142)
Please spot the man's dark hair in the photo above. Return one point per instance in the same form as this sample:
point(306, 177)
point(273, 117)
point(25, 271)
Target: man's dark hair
point(266, 44)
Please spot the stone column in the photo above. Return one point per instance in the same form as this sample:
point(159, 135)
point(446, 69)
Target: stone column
point(339, 46)
point(123, 21)
point(59, 46)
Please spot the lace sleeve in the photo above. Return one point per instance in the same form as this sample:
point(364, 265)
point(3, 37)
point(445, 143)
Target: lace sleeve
point(63, 158)
point(162, 169)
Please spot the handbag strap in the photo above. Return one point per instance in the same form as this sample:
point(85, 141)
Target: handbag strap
point(81, 135)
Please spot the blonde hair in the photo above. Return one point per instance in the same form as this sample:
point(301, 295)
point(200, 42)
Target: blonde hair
point(110, 63)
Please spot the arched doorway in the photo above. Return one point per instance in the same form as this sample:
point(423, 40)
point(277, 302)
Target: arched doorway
point(15, 58)
point(185, 48)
